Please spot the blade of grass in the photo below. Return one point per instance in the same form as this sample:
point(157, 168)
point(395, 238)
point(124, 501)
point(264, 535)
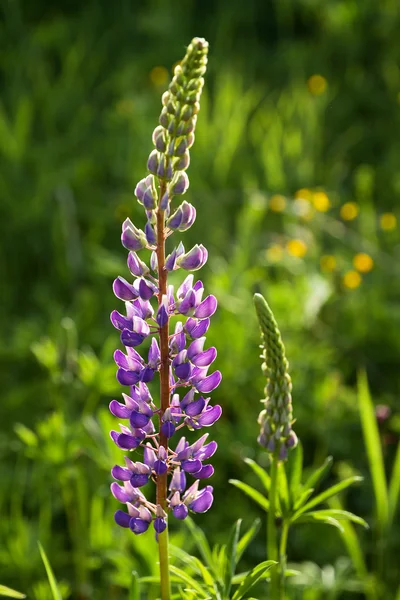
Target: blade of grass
point(394, 486)
point(374, 451)
point(50, 575)
point(6, 591)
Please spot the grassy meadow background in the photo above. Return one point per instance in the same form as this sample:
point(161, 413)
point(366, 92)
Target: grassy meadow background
point(296, 179)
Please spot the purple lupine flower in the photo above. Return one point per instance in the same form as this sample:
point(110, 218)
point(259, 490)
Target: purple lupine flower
point(181, 358)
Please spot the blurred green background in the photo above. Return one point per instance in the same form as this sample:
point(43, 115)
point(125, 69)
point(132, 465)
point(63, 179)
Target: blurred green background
point(295, 177)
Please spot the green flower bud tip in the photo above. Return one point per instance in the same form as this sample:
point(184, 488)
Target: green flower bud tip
point(276, 418)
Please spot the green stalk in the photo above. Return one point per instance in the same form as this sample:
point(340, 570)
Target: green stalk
point(164, 400)
point(282, 557)
point(272, 542)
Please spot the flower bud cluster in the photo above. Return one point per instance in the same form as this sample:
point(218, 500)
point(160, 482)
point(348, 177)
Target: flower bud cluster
point(276, 419)
point(150, 303)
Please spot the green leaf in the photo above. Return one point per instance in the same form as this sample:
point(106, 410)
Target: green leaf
point(201, 542)
point(394, 486)
point(374, 450)
point(352, 543)
point(260, 472)
point(247, 538)
point(283, 489)
point(134, 592)
point(6, 591)
point(303, 497)
point(50, 575)
point(313, 517)
point(189, 580)
point(340, 515)
point(317, 476)
point(252, 493)
point(231, 560)
point(332, 491)
point(295, 466)
point(252, 578)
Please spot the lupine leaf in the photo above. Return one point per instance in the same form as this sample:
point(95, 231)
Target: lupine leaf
point(295, 466)
point(6, 591)
point(340, 515)
point(323, 496)
point(251, 492)
point(316, 477)
point(283, 489)
point(134, 592)
point(50, 575)
point(374, 450)
point(242, 576)
point(303, 497)
point(260, 472)
point(394, 486)
point(314, 516)
point(200, 541)
point(352, 543)
point(231, 560)
point(252, 578)
point(189, 580)
point(246, 539)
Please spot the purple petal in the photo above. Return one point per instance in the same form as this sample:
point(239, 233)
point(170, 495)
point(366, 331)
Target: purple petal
point(168, 429)
point(122, 518)
point(127, 442)
point(183, 371)
point(209, 416)
point(160, 524)
point(120, 493)
point(207, 451)
point(160, 467)
point(196, 407)
point(195, 348)
point(140, 479)
point(180, 511)
point(162, 316)
point(145, 291)
point(130, 338)
point(147, 374)
point(124, 290)
point(188, 303)
point(121, 473)
point(204, 359)
point(206, 308)
point(209, 383)
point(202, 503)
point(191, 465)
point(150, 234)
point(196, 329)
point(119, 410)
point(205, 472)
point(119, 321)
point(127, 377)
point(138, 526)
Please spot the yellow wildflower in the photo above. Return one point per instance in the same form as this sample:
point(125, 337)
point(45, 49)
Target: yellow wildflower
point(317, 84)
point(296, 248)
point(349, 211)
point(321, 201)
point(159, 76)
point(363, 262)
point(388, 221)
point(277, 203)
point(304, 194)
point(327, 263)
point(274, 253)
point(352, 280)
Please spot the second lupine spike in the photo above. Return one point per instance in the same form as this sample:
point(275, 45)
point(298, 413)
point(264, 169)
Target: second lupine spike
point(276, 419)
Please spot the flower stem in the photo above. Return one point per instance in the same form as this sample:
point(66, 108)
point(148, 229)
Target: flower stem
point(282, 557)
point(164, 400)
point(272, 546)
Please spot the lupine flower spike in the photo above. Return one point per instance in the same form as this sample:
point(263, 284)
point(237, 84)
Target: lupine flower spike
point(276, 419)
point(153, 429)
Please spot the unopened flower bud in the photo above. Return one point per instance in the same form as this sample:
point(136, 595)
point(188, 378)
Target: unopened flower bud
point(194, 259)
point(180, 184)
point(153, 162)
